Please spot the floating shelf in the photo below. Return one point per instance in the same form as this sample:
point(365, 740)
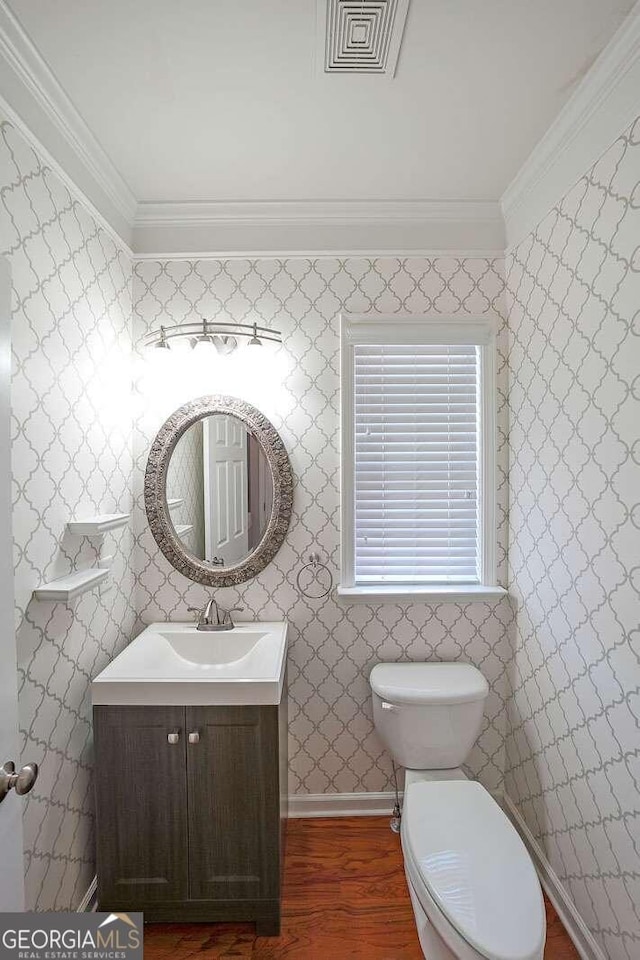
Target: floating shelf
point(101, 523)
point(71, 586)
point(176, 502)
point(183, 528)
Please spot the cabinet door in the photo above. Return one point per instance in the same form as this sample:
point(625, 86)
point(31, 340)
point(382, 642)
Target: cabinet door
point(141, 800)
point(232, 773)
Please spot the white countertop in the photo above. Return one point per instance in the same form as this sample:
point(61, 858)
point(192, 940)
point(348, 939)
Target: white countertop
point(173, 663)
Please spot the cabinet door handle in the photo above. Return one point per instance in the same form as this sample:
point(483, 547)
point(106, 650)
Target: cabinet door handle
point(194, 737)
point(173, 737)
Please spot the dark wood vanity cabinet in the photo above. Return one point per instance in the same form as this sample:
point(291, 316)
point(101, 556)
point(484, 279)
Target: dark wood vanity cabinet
point(190, 810)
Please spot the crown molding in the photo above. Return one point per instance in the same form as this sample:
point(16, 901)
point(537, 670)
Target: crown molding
point(35, 101)
point(372, 253)
point(312, 211)
point(605, 103)
point(303, 227)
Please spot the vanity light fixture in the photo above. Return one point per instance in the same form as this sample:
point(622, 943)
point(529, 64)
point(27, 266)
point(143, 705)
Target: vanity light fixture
point(205, 334)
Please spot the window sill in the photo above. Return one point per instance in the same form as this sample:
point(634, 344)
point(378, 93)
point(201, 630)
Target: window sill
point(456, 593)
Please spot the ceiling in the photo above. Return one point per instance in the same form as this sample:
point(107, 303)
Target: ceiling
point(221, 100)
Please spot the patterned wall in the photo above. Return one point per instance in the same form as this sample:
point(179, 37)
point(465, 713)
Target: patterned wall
point(185, 481)
point(573, 751)
point(71, 432)
point(564, 674)
point(333, 747)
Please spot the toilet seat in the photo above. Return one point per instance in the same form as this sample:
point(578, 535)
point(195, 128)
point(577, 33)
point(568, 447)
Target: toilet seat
point(471, 872)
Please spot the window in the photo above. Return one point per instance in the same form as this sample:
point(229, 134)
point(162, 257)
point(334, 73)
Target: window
point(418, 493)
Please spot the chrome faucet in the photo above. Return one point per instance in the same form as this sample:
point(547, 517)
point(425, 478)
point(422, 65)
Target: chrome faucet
point(222, 621)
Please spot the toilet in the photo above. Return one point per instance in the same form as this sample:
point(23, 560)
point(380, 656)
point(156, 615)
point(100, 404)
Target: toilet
point(473, 886)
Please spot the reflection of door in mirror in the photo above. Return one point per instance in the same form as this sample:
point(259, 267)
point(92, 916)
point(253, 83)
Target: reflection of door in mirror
point(226, 533)
point(260, 493)
point(219, 490)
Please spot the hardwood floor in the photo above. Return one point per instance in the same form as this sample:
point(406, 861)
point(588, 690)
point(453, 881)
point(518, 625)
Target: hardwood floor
point(345, 898)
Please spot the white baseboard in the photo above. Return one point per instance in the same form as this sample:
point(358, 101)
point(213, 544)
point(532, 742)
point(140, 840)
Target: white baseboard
point(573, 923)
point(89, 901)
point(341, 805)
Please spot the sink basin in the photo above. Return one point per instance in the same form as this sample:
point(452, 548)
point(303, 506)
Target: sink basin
point(175, 664)
point(199, 646)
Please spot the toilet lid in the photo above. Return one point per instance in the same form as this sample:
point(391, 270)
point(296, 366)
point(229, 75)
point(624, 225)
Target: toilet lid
point(433, 683)
point(475, 867)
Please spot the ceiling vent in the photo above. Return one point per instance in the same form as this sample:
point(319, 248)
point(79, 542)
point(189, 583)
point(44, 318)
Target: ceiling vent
point(361, 36)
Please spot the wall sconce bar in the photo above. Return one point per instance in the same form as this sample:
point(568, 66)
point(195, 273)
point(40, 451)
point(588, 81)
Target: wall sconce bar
point(223, 336)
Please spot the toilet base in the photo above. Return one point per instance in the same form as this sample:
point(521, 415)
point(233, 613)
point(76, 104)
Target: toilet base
point(433, 946)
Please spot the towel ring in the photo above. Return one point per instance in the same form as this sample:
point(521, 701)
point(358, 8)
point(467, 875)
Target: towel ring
point(310, 584)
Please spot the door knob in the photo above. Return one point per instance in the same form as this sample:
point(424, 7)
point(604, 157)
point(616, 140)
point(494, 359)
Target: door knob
point(173, 737)
point(21, 782)
point(194, 737)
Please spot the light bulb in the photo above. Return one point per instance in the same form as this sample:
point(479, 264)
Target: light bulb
point(160, 359)
point(225, 344)
point(203, 344)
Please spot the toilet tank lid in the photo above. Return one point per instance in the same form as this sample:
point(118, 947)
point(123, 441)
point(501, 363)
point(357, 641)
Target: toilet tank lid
point(426, 683)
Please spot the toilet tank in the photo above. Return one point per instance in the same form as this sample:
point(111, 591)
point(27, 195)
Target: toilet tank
point(428, 715)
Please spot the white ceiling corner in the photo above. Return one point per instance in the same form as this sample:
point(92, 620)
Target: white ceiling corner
point(605, 103)
point(34, 99)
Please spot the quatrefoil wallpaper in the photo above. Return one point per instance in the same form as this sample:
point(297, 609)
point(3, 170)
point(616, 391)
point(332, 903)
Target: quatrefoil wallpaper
point(573, 745)
point(71, 452)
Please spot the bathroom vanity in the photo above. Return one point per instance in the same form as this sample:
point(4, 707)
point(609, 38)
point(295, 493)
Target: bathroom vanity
point(190, 736)
point(190, 720)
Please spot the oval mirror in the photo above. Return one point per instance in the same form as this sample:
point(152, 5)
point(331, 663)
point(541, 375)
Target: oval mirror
point(218, 490)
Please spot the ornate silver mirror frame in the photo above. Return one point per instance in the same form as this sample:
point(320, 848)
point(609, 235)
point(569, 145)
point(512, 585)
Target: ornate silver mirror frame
point(155, 483)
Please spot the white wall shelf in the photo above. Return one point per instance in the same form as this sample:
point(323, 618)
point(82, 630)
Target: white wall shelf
point(71, 586)
point(95, 526)
point(183, 529)
point(176, 502)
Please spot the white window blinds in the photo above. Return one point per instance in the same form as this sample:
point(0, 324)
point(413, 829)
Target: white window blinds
point(416, 471)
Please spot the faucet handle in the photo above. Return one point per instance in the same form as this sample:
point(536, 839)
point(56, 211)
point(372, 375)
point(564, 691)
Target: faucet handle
point(197, 610)
point(226, 618)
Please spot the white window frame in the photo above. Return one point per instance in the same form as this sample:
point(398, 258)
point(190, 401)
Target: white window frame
point(357, 329)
